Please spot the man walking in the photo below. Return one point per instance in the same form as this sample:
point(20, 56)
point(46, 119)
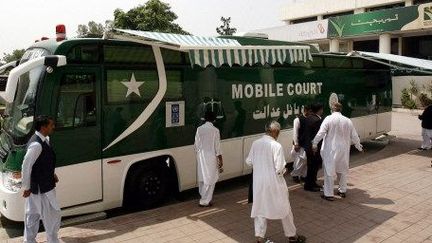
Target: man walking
point(297, 152)
point(338, 133)
point(39, 181)
point(311, 126)
point(270, 192)
point(426, 118)
point(209, 158)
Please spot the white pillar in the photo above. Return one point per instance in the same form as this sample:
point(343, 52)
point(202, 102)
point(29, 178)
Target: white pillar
point(409, 3)
point(359, 10)
point(334, 45)
point(385, 43)
point(400, 46)
point(350, 45)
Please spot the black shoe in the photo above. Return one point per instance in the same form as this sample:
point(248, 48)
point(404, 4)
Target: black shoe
point(312, 189)
point(205, 206)
point(297, 239)
point(423, 149)
point(341, 194)
point(296, 179)
point(331, 199)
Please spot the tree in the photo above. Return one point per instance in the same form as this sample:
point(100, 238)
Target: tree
point(225, 28)
point(151, 16)
point(13, 56)
point(93, 29)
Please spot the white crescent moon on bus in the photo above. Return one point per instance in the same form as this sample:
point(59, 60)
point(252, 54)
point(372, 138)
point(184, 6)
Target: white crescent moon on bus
point(148, 111)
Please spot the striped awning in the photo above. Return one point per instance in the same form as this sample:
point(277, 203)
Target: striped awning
point(213, 51)
point(249, 55)
point(182, 40)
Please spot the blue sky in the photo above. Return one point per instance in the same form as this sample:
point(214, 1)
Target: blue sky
point(23, 21)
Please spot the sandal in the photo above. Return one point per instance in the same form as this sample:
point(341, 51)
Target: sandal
point(264, 240)
point(297, 239)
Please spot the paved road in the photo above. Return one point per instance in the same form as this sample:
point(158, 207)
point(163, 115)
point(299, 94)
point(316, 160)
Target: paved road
point(375, 177)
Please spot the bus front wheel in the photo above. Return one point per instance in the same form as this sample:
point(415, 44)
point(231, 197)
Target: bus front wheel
point(147, 186)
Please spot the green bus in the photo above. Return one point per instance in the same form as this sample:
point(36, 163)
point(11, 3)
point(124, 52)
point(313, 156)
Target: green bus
point(127, 107)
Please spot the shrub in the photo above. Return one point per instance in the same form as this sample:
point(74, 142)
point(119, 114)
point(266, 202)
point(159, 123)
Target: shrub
point(406, 100)
point(425, 101)
point(410, 104)
point(414, 90)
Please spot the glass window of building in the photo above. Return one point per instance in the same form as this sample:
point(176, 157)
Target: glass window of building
point(418, 2)
point(396, 5)
point(337, 14)
point(304, 20)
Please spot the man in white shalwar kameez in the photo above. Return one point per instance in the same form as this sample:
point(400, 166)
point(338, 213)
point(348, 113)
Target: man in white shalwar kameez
point(209, 158)
point(338, 133)
point(270, 192)
point(298, 153)
point(39, 182)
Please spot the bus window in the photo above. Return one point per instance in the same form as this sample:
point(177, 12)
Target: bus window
point(357, 63)
point(175, 85)
point(318, 62)
point(338, 62)
point(129, 54)
point(172, 57)
point(77, 101)
point(83, 54)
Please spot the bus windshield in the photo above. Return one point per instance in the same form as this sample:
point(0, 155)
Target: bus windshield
point(20, 113)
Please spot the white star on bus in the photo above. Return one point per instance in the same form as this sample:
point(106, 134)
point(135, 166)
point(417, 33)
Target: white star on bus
point(133, 86)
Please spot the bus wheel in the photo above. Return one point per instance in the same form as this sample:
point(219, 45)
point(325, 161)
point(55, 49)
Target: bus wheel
point(147, 187)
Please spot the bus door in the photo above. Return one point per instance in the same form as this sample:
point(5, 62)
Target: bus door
point(77, 139)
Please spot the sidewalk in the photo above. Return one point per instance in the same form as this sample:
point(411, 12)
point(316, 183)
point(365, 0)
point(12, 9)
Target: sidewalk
point(389, 200)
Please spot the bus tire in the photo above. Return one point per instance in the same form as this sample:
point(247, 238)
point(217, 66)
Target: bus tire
point(147, 186)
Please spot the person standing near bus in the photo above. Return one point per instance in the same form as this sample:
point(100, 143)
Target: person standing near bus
point(209, 158)
point(426, 123)
point(337, 133)
point(297, 152)
point(312, 125)
point(39, 182)
point(270, 192)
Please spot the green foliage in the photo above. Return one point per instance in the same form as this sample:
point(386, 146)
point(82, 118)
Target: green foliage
point(406, 100)
point(151, 16)
point(410, 104)
point(93, 29)
point(425, 101)
point(225, 28)
point(15, 55)
point(414, 90)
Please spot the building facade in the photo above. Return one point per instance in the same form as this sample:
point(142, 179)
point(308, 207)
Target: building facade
point(402, 27)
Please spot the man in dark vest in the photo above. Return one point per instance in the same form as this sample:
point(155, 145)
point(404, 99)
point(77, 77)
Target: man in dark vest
point(426, 123)
point(39, 181)
point(311, 125)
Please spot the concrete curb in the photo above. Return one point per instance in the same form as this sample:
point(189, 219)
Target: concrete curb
point(403, 110)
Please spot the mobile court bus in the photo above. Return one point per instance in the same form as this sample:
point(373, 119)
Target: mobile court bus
point(127, 107)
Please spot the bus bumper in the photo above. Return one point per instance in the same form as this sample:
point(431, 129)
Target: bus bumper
point(11, 204)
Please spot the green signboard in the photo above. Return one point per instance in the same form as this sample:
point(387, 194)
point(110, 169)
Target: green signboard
point(372, 22)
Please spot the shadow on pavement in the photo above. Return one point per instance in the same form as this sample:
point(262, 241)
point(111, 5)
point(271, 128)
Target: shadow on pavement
point(358, 214)
point(343, 220)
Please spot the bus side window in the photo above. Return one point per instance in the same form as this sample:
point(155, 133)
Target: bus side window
point(77, 101)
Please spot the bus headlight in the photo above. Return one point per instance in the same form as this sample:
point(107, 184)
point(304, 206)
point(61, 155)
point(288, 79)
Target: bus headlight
point(12, 180)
